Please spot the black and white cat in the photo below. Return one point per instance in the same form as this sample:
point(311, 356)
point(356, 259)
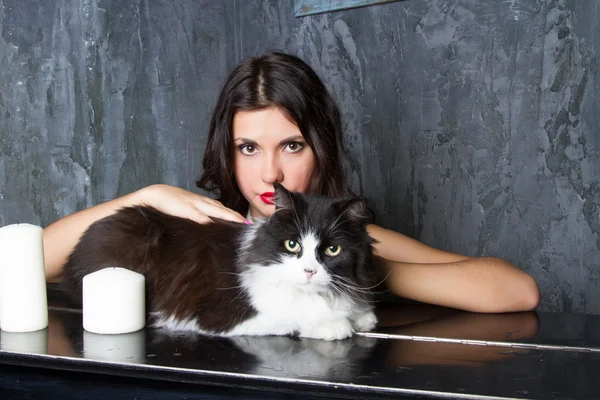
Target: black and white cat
point(306, 270)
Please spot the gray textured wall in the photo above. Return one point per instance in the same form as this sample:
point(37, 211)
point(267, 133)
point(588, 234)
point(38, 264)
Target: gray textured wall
point(472, 125)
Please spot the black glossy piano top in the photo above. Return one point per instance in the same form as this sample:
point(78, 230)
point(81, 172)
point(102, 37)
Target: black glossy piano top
point(418, 351)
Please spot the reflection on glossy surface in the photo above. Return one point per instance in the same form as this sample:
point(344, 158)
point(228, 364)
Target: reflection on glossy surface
point(125, 347)
point(417, 366)
point(405, 353)
point(35, 342)
point(424, 321)
point(464, 325)
point(300, 357)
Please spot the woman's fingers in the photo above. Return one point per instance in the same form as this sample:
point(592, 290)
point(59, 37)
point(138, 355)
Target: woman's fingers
point(210, 209)
point(182, 203)
point(196, 215)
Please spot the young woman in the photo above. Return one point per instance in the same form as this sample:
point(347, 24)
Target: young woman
point(276, 122)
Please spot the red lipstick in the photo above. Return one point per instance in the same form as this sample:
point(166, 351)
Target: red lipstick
point(268, 197)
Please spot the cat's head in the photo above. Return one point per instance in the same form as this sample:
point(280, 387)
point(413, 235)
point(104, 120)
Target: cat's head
point(313, 243)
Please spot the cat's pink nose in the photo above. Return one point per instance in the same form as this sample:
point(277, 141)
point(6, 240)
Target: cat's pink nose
point(310, 272)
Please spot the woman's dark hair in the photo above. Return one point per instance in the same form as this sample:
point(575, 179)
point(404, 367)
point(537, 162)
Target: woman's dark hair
point(276, 80)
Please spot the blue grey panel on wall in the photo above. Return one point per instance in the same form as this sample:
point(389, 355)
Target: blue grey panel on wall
point(310, 7)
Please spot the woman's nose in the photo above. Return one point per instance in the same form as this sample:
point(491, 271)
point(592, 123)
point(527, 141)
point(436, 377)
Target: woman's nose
point(271, 170)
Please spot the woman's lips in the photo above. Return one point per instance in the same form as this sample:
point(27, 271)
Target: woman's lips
point(268, 197)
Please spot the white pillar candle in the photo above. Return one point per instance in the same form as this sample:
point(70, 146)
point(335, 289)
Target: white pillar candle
point(23, 301)
point(126, 347)
point(25, 342)
point(114, 301)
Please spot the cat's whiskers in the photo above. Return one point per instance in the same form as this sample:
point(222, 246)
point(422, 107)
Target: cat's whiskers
point(337, 291)
point(362, 287)
point(231, 273)
point(354, 298)
point(349, 291)
point(228, 288)
point(352, 287)
point(349, 283)
point(349, 295)
point(238, 295)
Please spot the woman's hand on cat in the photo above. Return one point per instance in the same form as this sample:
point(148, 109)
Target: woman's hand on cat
point(182, 203)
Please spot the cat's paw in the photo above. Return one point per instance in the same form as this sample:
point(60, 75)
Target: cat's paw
point(364, 322)
point(331, 330)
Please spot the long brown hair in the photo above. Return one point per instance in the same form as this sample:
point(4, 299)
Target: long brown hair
point(285, 81)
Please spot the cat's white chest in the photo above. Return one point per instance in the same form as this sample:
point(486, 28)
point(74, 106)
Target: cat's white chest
point(284, 309)
point(288, 303)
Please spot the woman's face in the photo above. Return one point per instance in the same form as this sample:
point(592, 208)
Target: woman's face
point(269, 148)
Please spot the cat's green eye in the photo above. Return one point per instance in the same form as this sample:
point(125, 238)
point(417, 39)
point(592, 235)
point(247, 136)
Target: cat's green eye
point(292, 246)
point(333, 250)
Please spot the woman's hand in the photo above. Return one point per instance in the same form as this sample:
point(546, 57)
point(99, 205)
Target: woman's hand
point(182, 203)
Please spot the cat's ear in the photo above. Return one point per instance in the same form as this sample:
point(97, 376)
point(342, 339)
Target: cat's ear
point(283, 198)
point(355, 209)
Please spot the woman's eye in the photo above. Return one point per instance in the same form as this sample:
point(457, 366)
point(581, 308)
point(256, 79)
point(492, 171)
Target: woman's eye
point(294, 147)
point(292, 246)
point(333, 250)
point(248, 149)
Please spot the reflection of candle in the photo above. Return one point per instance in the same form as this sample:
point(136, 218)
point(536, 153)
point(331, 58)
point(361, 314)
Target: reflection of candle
point(23, 301)
point(114, 301)
point(25, 342)
point(126, 347)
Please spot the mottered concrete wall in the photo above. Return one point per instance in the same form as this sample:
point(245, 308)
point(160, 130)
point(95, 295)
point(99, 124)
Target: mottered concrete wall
point(471, 125)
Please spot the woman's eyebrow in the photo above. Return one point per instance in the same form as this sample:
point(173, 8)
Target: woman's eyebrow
point(295, 138)
point(244, 140)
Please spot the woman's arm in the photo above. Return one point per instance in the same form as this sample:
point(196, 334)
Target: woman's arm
point(61, 237)
point(419, 272)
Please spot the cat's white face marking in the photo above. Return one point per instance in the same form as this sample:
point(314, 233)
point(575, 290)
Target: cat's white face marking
point(305, 269)
point(302, 272)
